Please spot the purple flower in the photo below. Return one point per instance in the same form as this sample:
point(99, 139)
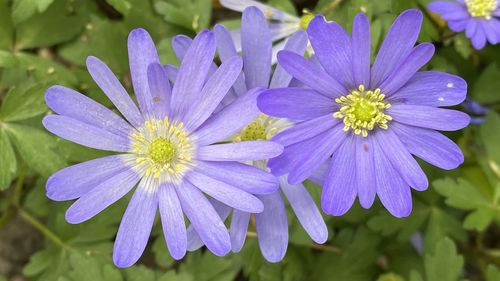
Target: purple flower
point(272, 223)
point(479, 18)
point(368, 119)
point(167, 146)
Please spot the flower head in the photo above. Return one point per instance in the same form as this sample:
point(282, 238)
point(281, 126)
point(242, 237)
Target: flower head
point(272, 223)
point(479, 18)
point(167, 145)
point(366, 120)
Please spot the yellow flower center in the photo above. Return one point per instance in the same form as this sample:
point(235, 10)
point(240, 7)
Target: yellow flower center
point(362, 110)
point(305, 19)
point(481, 8)
point(262, 128)
point(254, 131)
point(163, 149)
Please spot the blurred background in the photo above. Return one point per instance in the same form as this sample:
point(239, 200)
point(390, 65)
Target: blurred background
point(452, 234)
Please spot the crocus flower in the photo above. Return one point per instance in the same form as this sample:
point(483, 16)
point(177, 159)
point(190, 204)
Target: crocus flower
point(369, 119)
point(166, 145)
point(271, 224)
point(281, 25)
point(479, 18)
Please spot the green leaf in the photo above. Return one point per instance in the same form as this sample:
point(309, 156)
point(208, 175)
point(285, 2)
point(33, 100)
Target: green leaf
point(444, 264)
point(122, 6)
point(161, 254)
point(23, 102)
point(8, 160)
point(6, 29)
point(486, 87)
point(24, 9)
point(140, 273)
point(390, 277)
point(490, 136)
point(192, 14)
point(492, 273)
point(173, 276)
point(37, 148)
point(61, 22)
point(90, 268)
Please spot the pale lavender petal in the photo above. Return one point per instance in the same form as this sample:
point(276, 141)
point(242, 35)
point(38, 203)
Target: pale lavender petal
point(365, 171)
point(281, 30)
point(171, 72)
point(193, 71)
point(306, 210)
point(204, 219)
point(180, 45)
point(449, 10)
point(319, 175)
point(135, 227)
point(361, 50)
point(230, 120)
point(478, 38)
point(85, 134)
point(458, 25)
point(160, 90)
point(471, 27)
point(244, 177)
point(269, 12)
point(420, 55)
point(333, 47)
point(70, 103)
point(305, 130)
point(256, 47)
point(429, 117)
point(397, 45)
point(225, 193)
point(103, 195)
point(430, 145)
point(114, 90)
point(172, 219)
point(401, 159)
point(339, 190)
point(75, 181)
point(297, 44)
point(432, 88)
point(213, 92)
point(310, 74)
point(295, 103)
point(240, 151)
point(392, 190)
point(272, 227)
point(141, 53)
point(238, 229)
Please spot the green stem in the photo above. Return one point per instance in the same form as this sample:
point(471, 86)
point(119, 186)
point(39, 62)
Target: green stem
point(43, 229)
point(324, 248)
point(328, 9)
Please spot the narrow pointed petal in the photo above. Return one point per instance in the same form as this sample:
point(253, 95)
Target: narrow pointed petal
point(135, 227)
point(172, 220)
point(306, 210)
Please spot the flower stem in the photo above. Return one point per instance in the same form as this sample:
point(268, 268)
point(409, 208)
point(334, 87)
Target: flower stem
point(324, 248)
point(328, 9)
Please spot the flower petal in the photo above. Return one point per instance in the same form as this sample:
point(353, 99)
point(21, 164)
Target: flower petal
point(365, 171)
point(339, 190)
point(85, 134)
point(204, 219)
point(102, 196)
point(296, 44)
point(397, 45)
point(333, 47)
point(272, 227)
point(141, 53)
point(172, 219)
point(306, 210)
point(244, 177)
point(160, 90)
point(135, 227)
point(401, 159)
point(70, 103)
point(361, 50)
point(430, 145)
point(114, 90)
point(429, 117)
point(305, 130)
point(225, 193)
point(238, 230)
point(230, 120)
point(295, 103)
point(432, 88)
point(310, 74)
point(240, 151)
point(256, 47)
point(75, 181)
point(269, 12)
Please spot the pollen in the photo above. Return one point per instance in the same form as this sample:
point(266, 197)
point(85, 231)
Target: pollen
point(262, 128)
point(163, 149)
point(481, 8)
point(305, 19)
point(362, 111)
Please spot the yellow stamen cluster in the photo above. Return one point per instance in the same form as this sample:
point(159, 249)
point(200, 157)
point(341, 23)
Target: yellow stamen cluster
point(163, 148)
point(481, 8)
point(262, 128)
point(305, 19)
point(362, 111)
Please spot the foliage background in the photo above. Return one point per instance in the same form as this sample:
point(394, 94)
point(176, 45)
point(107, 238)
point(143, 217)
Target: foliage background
point(452, 234)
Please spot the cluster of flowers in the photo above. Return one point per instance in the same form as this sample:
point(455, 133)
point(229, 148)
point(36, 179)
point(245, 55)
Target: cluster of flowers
point(210, 141)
